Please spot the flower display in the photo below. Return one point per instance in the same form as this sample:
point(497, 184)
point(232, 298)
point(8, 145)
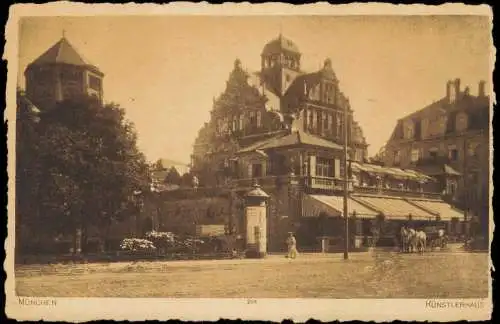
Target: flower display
point(136, 245)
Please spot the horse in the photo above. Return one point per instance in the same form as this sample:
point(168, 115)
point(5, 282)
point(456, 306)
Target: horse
point(421, 241)
point(412, 240)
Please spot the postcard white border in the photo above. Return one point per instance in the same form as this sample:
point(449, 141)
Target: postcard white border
point(84, 309)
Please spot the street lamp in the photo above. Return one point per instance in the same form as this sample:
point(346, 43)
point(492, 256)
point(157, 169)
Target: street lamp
point(137, 198)
point(346, 187)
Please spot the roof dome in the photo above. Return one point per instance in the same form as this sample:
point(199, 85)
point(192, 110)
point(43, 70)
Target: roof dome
point(279, 45)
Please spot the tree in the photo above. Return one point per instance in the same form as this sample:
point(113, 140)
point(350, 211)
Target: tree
point(88, 164)
point(173, 177)
point(187, 180)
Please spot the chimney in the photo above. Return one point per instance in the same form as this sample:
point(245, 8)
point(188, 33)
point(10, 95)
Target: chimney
point(449, 91)
point(457, 87)
point(481, 89)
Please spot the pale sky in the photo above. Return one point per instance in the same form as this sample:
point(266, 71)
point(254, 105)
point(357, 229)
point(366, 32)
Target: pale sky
point(165, 70)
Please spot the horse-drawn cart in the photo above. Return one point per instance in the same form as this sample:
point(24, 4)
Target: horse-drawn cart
point(436, 237)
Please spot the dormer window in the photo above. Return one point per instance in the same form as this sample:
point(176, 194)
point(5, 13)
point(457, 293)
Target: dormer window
point(409, 130)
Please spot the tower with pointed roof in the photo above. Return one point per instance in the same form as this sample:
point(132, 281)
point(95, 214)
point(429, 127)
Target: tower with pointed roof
point(280, 64)
point(62, 73)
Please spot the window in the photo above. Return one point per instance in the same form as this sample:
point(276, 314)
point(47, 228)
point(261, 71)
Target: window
point(424, 128)
point(451, 188)
point(311, 118)
point(234, 124)
point(319, 123)
point(330, 121)
point(44, 75)
point(442, 124)
point(452, 153)
point(397, 156)
point(325, 121)
point(242, 121)
point(433, 153)
point(253, 118)
point(259, 118)
point(324, 167)
point(409, 129)
point(94, 82)
point(461, 122)
point(338, 124)
point(415, 155)
point(314, 119)
point(256, 170)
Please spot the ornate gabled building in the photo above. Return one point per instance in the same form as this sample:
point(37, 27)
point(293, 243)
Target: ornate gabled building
point(276, 101)
point(62, 73)
point(284, 128)
point(449, 140)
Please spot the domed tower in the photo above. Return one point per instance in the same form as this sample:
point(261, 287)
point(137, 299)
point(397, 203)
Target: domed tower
point(62, 73)
point(280, 64)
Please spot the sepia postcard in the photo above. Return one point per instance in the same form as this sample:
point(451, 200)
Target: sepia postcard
point(257, 162)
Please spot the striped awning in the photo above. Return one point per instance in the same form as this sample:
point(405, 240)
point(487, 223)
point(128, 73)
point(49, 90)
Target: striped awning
point(333, 206)
point(446, 211)
point(395, 208)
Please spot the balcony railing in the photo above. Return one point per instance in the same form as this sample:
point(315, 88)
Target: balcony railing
point(262, 181)
point(396, 192)
point(326, 183)
point(315, 183)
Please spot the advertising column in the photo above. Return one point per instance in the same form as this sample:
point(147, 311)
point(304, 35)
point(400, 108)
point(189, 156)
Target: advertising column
point(256, 222)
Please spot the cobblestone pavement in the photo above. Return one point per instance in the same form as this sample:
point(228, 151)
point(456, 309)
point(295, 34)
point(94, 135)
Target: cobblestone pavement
point(364, 275)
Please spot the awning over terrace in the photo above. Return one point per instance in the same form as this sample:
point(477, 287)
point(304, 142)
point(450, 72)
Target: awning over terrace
point(394, 208)
point(446, 211)
point(333, 206)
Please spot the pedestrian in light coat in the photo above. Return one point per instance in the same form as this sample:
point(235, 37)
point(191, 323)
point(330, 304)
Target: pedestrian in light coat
point(292, 246)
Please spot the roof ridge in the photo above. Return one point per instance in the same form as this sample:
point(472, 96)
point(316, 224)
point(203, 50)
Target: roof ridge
point(59, 45)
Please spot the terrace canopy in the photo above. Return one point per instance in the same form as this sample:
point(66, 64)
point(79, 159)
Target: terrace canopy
point(314, 205)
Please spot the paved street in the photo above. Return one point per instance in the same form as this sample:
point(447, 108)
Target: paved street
point(370, 275)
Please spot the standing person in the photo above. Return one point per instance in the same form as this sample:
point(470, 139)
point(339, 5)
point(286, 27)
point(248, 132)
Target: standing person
point(292, 246)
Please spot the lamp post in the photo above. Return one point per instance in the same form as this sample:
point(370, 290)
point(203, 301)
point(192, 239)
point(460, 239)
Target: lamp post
point(346, 188)
point(138, 201)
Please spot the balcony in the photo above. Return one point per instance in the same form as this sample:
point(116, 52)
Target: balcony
point(268, 181)
point(396, 192)
point(317, 183)
point(326, 183)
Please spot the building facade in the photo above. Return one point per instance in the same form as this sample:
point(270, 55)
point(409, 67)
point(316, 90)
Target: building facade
point(449, 139)
point(284, 129)
point(62, 73)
